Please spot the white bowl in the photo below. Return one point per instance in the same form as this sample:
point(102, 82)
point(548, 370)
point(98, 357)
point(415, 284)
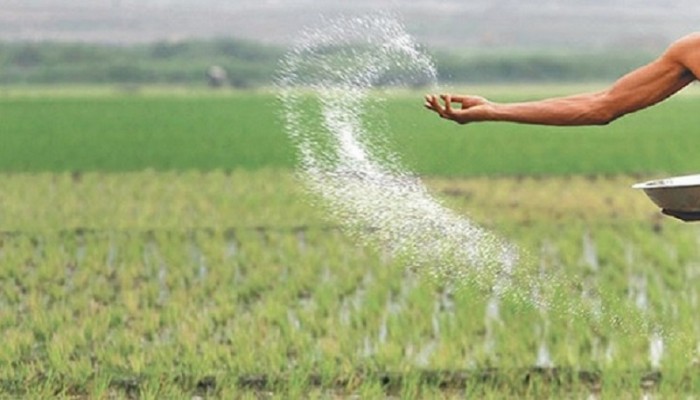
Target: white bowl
point(680, 193)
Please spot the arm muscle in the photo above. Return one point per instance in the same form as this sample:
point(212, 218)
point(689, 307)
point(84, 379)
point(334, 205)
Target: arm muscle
point(678, 66)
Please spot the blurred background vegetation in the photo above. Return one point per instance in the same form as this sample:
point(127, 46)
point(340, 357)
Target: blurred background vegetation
point(247, 64)
point(250, 64)
point(176, 42)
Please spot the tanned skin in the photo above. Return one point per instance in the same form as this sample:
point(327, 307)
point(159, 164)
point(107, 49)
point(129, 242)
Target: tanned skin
point(675, 69)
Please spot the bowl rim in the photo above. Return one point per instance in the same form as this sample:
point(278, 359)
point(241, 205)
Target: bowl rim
point(682, 181)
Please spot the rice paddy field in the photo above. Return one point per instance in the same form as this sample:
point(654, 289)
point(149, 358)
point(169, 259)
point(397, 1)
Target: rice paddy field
point(158, 244)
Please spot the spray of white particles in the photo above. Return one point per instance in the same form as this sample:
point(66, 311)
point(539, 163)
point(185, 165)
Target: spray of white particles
point(327, 83)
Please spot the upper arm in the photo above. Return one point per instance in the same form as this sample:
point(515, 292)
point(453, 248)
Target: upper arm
point(678, 66)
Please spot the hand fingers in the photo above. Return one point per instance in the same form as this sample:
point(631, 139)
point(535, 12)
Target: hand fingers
point(432, 103)
point(470, 101)
point(467, 101)
point(448, 103)
point(457, 98)
point(428, 102)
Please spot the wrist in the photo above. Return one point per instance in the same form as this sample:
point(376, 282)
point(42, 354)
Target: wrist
point(491, 112)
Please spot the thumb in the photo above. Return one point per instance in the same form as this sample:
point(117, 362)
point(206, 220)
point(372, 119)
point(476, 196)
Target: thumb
point(448, 103)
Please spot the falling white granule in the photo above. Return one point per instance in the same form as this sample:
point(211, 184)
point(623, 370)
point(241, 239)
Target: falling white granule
point(327, 83)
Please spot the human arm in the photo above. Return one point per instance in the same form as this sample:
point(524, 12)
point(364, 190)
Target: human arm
point(678, 66)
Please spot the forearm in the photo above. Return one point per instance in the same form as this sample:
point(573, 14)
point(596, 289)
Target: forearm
point(585, 109)
point(641, 88)
point(638, 89)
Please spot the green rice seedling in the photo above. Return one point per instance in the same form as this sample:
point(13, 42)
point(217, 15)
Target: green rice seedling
point(157, 299)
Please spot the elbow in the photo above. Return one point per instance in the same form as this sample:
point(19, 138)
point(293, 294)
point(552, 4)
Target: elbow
point(605, 118)
point(605, 110)
point(599, 117)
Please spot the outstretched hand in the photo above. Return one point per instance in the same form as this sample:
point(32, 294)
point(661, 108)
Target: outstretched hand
point(471, 108)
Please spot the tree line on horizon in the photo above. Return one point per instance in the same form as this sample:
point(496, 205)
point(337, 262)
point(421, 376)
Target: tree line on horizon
point(249, 64)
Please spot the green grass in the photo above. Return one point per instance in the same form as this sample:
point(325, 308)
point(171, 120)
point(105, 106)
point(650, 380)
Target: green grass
point(123, 132)
point(153, 284)
point(158, 245)
point(152, 200)
point(173, 130)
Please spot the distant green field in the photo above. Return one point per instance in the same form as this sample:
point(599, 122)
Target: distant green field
point(663, 139)
point(124, 132)
point(170, 130)
point(157, 244)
